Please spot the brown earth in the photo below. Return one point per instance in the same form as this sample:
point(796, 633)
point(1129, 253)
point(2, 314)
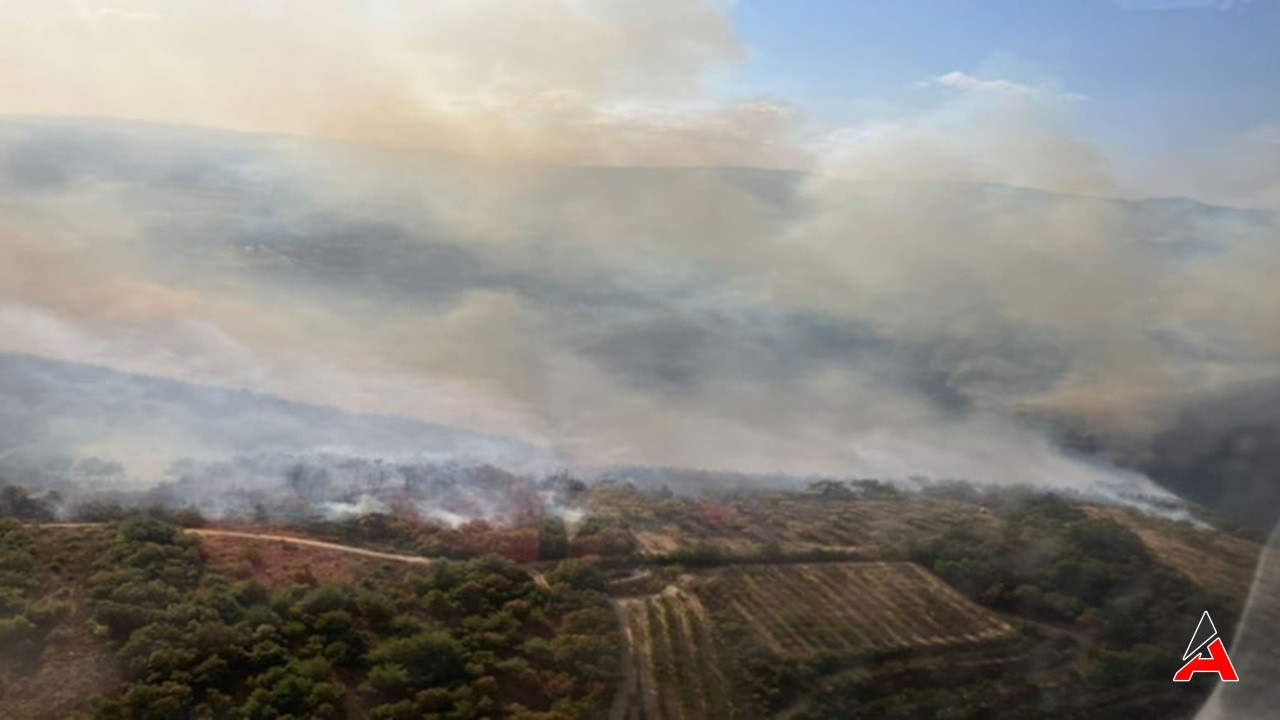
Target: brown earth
point(672, 669)
point(1220, 562)
point(278, 561)
point(790, 522)
point(802, 611)
point(75, 665)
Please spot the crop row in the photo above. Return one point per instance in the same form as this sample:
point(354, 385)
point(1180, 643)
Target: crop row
point(677, 666)
point(801, 611)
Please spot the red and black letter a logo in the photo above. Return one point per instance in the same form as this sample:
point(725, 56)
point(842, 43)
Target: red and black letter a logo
point(1207, 654)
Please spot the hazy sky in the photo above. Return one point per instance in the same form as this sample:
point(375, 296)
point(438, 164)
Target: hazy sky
point(1157, 80)
point(1155, 71)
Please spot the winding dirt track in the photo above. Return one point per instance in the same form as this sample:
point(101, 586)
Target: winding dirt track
point(352, 550)
point(213, 532)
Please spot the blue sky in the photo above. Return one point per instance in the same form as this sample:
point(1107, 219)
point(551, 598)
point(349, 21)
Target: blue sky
point(1160, 75)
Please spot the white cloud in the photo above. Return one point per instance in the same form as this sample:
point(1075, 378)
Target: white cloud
point(964, 82)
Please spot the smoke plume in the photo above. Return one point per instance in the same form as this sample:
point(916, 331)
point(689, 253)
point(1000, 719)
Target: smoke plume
point(546, 222)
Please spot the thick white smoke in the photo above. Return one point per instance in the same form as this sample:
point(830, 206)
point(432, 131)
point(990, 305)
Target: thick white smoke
point(501, 218)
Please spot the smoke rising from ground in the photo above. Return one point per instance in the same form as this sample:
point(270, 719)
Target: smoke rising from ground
point(499, 218)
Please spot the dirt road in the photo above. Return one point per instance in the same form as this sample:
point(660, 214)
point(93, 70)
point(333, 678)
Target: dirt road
point(214, 532)
point(395, 557)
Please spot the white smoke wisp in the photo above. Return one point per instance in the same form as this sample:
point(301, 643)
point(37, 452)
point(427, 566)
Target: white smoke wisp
point(335, 488)
point(363, 506)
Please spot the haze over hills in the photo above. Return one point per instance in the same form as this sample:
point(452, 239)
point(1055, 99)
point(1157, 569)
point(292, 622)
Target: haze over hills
point(54, 414)
point(614, 316)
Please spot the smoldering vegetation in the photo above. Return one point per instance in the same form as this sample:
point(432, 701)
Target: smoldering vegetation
point(729, 486)
point(295, 489)
point(334, 488)
point(259, 457)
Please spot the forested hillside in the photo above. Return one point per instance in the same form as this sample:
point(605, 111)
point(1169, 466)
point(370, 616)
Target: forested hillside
point(851, 600)
point(468, 639)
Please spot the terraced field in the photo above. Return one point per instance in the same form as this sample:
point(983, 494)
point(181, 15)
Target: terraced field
point(808, 610)
point(672, 671)
point(793, 522)
point(675, 670)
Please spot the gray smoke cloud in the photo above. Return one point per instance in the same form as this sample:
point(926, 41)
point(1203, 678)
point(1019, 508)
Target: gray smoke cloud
point(542, 224)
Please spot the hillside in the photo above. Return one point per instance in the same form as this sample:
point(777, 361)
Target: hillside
point(837, 602)
point(77, 405)
point(151, 622)
point(55, 663)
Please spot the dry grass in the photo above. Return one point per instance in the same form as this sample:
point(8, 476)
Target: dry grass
point(792, 522)
point(278, 564)
point(75, 665)
point(1221, 563)
point(675, 668)
point(846, 609)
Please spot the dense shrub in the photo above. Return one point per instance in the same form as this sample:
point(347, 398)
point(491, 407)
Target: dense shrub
point(467, 641)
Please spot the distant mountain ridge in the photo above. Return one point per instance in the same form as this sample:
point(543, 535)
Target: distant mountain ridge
point(54, 413)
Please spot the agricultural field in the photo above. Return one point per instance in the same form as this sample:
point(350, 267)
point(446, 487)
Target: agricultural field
point(859, 525)
point(995, 606)
point(806, 611)
point(676, 667)
point(672, 668)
